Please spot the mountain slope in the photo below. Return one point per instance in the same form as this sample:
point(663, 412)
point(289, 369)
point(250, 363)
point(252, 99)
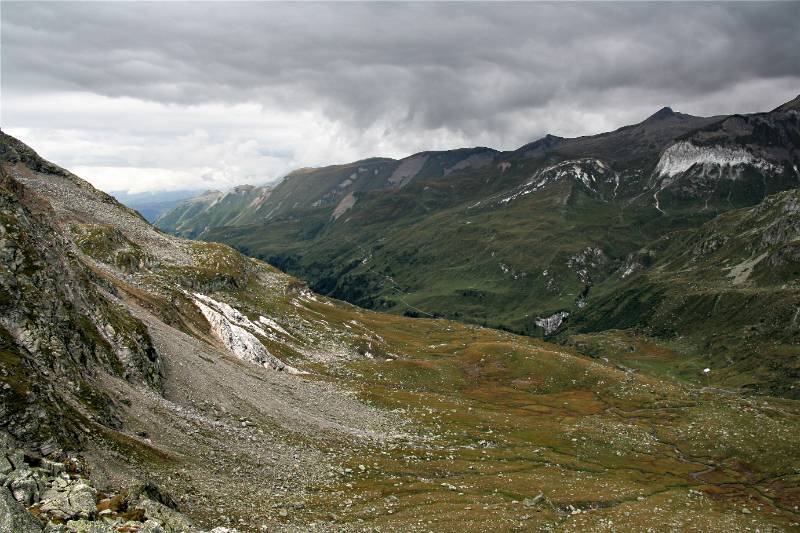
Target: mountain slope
point(518, 239)
point(727, 293)
point(374, 421)
point(211, 209)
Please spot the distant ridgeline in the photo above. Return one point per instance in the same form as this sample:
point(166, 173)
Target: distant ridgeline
point(680, 228)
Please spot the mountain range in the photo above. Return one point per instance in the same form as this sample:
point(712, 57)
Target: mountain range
point(152, 204)
point(152, 383)
point(679, 229)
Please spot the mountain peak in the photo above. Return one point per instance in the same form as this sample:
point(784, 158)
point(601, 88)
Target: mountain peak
point(661, 114)
point(793, 104)
point(541, 145)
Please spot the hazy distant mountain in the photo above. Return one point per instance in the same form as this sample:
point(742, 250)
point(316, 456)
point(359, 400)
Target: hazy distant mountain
point(153, 204)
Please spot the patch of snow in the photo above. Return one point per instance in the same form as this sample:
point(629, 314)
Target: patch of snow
point(235, 331)
point(683, 155)
point(588, 171)
point(230, 313)
point(551, 323)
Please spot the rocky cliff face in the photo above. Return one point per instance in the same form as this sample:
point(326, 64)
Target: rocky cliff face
point(59, 331)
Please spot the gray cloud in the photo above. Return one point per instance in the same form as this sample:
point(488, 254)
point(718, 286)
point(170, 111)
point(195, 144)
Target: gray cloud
point(394, 77)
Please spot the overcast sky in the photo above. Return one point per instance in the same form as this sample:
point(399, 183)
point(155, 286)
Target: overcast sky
point(168, 96)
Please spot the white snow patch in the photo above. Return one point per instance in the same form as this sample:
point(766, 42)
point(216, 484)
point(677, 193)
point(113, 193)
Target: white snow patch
point(551, 323)
point(234, 330)
point(231, 314)
point(683, 155)
point(588, 171)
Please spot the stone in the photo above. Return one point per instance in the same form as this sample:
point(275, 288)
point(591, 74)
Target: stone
point(17, 459)
point(48, 447)
point(172, 520)
point(23, 485)
point(52, 467)
point(5, 465)
point(147, 491)
point(68, 500)
point(88, 526)
point(533, 502)
point(13, 516)
point(151, 526)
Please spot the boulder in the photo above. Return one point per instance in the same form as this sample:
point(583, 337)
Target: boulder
point(533, 502)
point(70, 499)
point(151, 526)
point(53, 468)
point(88, 526)
point(13, 516)
point(172, 520)
point(5, 465)
point(147, 491)
point(24, 486)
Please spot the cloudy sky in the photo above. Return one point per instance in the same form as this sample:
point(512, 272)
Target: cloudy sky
point(197, 95)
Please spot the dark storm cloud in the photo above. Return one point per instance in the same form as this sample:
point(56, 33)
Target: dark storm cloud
point(437, 64)
point(423, 74)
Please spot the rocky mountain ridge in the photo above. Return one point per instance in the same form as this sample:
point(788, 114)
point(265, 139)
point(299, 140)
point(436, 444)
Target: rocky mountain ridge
point(663, 145)
point(502, 238)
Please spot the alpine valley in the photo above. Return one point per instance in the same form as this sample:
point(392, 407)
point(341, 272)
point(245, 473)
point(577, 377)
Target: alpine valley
point(473, 340)
point(679, 232)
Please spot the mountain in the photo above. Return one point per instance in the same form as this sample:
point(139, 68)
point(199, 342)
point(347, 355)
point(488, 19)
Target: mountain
point(151, 383)
point(533, 239)
point(153, 204)
point(213, 208)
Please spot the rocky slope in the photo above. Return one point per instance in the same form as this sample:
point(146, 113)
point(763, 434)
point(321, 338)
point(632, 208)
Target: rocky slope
point(151, 383)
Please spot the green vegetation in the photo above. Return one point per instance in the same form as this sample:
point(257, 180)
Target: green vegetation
point(584, 226)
